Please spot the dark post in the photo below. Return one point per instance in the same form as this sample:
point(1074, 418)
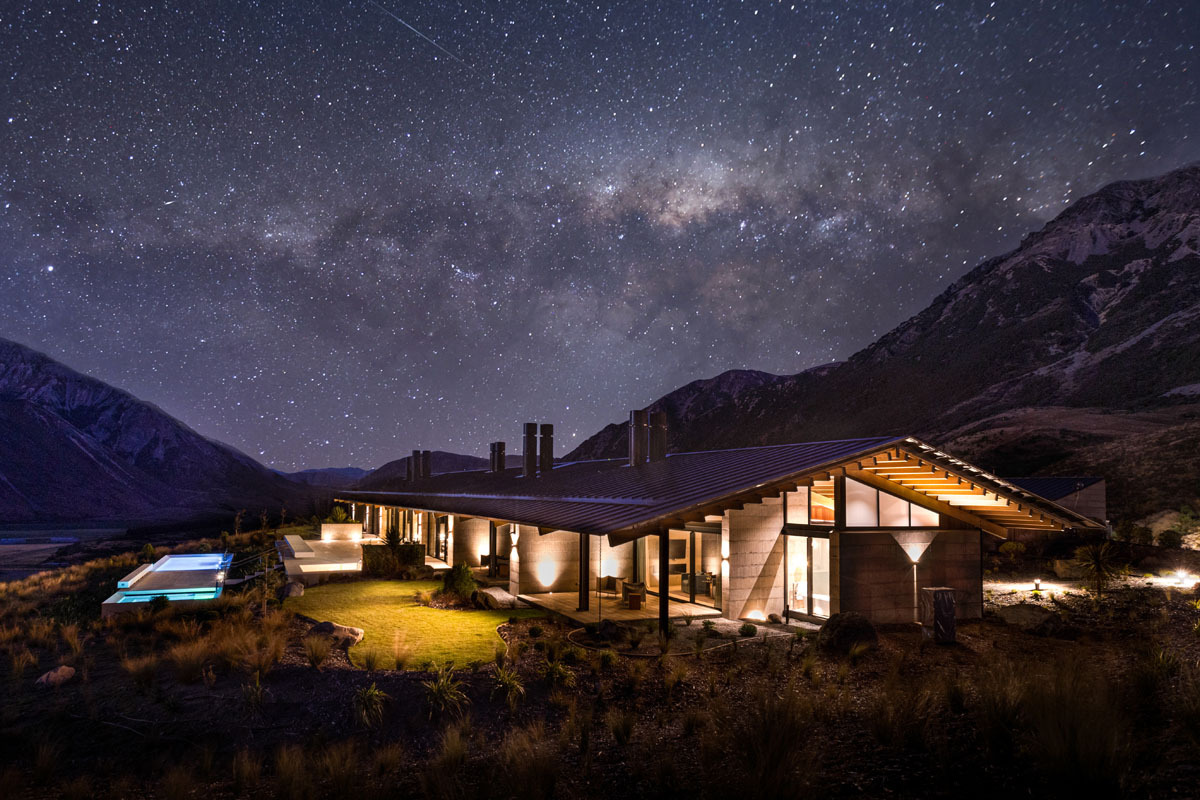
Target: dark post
point(664, 600)
point(585, 572)
point(492, 542)
point(839, 502)
point(529, 457)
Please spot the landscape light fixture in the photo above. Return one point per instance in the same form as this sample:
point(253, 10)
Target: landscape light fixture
point(1037, 584)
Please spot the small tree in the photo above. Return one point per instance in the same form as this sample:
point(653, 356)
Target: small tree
point(392, 537)
point(1171, 537)
point(338, 514)
point(283, 516)
point(1098, 563)
point(238, 518)
point(148, 552)
point(262, 519)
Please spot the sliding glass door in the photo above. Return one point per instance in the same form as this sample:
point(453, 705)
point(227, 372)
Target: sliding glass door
point(692, 572)
point(807, 573)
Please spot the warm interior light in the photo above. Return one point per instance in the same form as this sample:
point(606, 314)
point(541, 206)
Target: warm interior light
point(608, 567)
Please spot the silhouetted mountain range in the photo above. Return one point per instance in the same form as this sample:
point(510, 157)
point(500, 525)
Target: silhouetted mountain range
point(74, 448)
point(1079, 351)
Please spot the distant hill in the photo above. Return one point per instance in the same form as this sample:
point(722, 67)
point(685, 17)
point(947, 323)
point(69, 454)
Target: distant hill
point(391, 473)
point(1078, 352)
point(332, 477)
point(74, 448)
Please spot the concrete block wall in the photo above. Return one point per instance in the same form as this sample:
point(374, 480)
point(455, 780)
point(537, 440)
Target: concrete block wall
point(874, 576)
point(608, 560)
point(470, 539)
point(546, 563)
point(755, 575)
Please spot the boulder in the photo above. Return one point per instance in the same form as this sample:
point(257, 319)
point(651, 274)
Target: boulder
point(501, 598)
point(1026, 616)
point(774, 619)
point(341, 634)
point(611, 631)
point(484, 600)
point(56, 677)
point(843, 631)
point(292, 589)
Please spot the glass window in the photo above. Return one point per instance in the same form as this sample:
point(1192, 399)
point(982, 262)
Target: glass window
point(861, 508)
point(821, 507)
point(923, 517)
point(708, 569)
point(797, 561)
point(808, 576)
point(893, 512)
point(797, 506)
point(820, 578)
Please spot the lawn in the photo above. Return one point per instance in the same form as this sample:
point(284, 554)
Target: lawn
point(387, 613)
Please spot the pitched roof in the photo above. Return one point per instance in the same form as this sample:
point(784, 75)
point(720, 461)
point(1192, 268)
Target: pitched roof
point(606, 496)
point(1054, 488)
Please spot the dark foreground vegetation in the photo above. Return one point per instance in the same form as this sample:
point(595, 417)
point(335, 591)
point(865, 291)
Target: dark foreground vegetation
point(241, 701)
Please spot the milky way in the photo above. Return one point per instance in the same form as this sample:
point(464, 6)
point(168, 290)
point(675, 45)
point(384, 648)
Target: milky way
point(308, 231)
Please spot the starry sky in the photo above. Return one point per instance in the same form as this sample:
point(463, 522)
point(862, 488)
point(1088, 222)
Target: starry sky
point(328, 233)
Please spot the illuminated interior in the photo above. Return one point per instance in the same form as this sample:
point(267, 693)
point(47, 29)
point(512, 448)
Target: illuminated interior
point(808, 576)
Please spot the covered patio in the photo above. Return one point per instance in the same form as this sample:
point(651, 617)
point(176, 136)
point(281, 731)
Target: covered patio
point(610, 607)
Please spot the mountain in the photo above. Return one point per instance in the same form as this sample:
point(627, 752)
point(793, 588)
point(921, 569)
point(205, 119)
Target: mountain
point(393, 472)
point(1084, 339)
point(74, 448)
point(333, 477)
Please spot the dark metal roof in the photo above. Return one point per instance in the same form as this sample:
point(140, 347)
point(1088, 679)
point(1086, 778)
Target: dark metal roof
point(607, 496)
point(1054, 488)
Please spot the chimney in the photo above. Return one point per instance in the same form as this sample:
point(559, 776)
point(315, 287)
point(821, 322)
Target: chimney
point(637, 437)
point(529, 457)
point(414, 466)
point(426, 463)
point(657, 438)
point(546, 448)
point(497, 460)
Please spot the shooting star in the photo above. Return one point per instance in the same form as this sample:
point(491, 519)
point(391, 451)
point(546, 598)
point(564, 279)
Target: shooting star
point(418, 33)
point(169, 202)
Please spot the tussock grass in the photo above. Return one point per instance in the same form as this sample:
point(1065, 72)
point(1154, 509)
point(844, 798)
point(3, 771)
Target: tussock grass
point(178, 783)
point(444, 774)
point(246, 771)
point(293, 778)
point(620, 724)
point(141, 668)
point(19, 660)
point(529, 764)
point(316, 650)
point(188, 659)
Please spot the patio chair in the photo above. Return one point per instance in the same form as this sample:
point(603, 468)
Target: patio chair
point(633, 590)
point(611, 584)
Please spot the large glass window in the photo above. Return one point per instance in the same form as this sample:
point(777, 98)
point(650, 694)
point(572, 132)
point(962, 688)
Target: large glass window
point(820, 510)
point(808, 586)
point(867, 507)
point(693, 569)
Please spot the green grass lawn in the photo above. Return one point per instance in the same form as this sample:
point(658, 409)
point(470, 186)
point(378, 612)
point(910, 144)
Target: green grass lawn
point(387, 613)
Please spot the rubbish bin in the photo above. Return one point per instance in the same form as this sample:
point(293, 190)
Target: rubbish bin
point(937, 613)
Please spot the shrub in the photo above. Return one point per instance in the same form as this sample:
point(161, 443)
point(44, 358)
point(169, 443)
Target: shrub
point(444, 774)
point(1140, 534)
point(535, 631)
point(158, 604)
point(1098, 563)
point(558, 674)
point(141, 669)
point(423, 597)
point(620, 724)
point(1170, 538)
point(188, 659)
point(372, 660)
point(674, 677)
point(1001, 697)
point(1012, 550)
point(246, 770)
point(402, 653)
point(338, 515)
point(608, 658)
point(509, 685)
point(370, 702)
point(459, 582)
point(444, 693)
point(748, 629)
point(764, 737)
point(709, 626)
point(178, 783)
point(842, 631)
point(530, 769)
point(316, 649)
point(293, 778)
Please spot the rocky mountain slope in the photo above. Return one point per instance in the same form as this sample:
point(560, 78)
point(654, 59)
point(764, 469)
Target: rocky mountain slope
point(333, 477)
point(74, 448)
point(1083, 339)
point(393, 473)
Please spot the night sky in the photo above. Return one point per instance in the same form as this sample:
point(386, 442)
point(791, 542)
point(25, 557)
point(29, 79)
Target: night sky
point(315, 234)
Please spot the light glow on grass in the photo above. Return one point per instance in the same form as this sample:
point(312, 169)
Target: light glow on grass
point(385, 608)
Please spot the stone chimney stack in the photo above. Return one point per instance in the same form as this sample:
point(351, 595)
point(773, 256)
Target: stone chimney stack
point(426, 463)
point(637, 437)
point(529, 457)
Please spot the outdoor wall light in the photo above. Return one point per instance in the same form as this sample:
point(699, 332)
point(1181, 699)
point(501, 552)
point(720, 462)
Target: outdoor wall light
point(1037, 584)
point(546, 572)
point(757, 616)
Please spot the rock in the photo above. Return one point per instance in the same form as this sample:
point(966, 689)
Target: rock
point(501, 598)
point(1025, 616)
point(774, 619)
point(1067, 570)
point(341, 634)
point(56, 677)
point(1152, 564)
point(611, 631)
point(843, 631)
point(484, 600)
point(292, 589)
